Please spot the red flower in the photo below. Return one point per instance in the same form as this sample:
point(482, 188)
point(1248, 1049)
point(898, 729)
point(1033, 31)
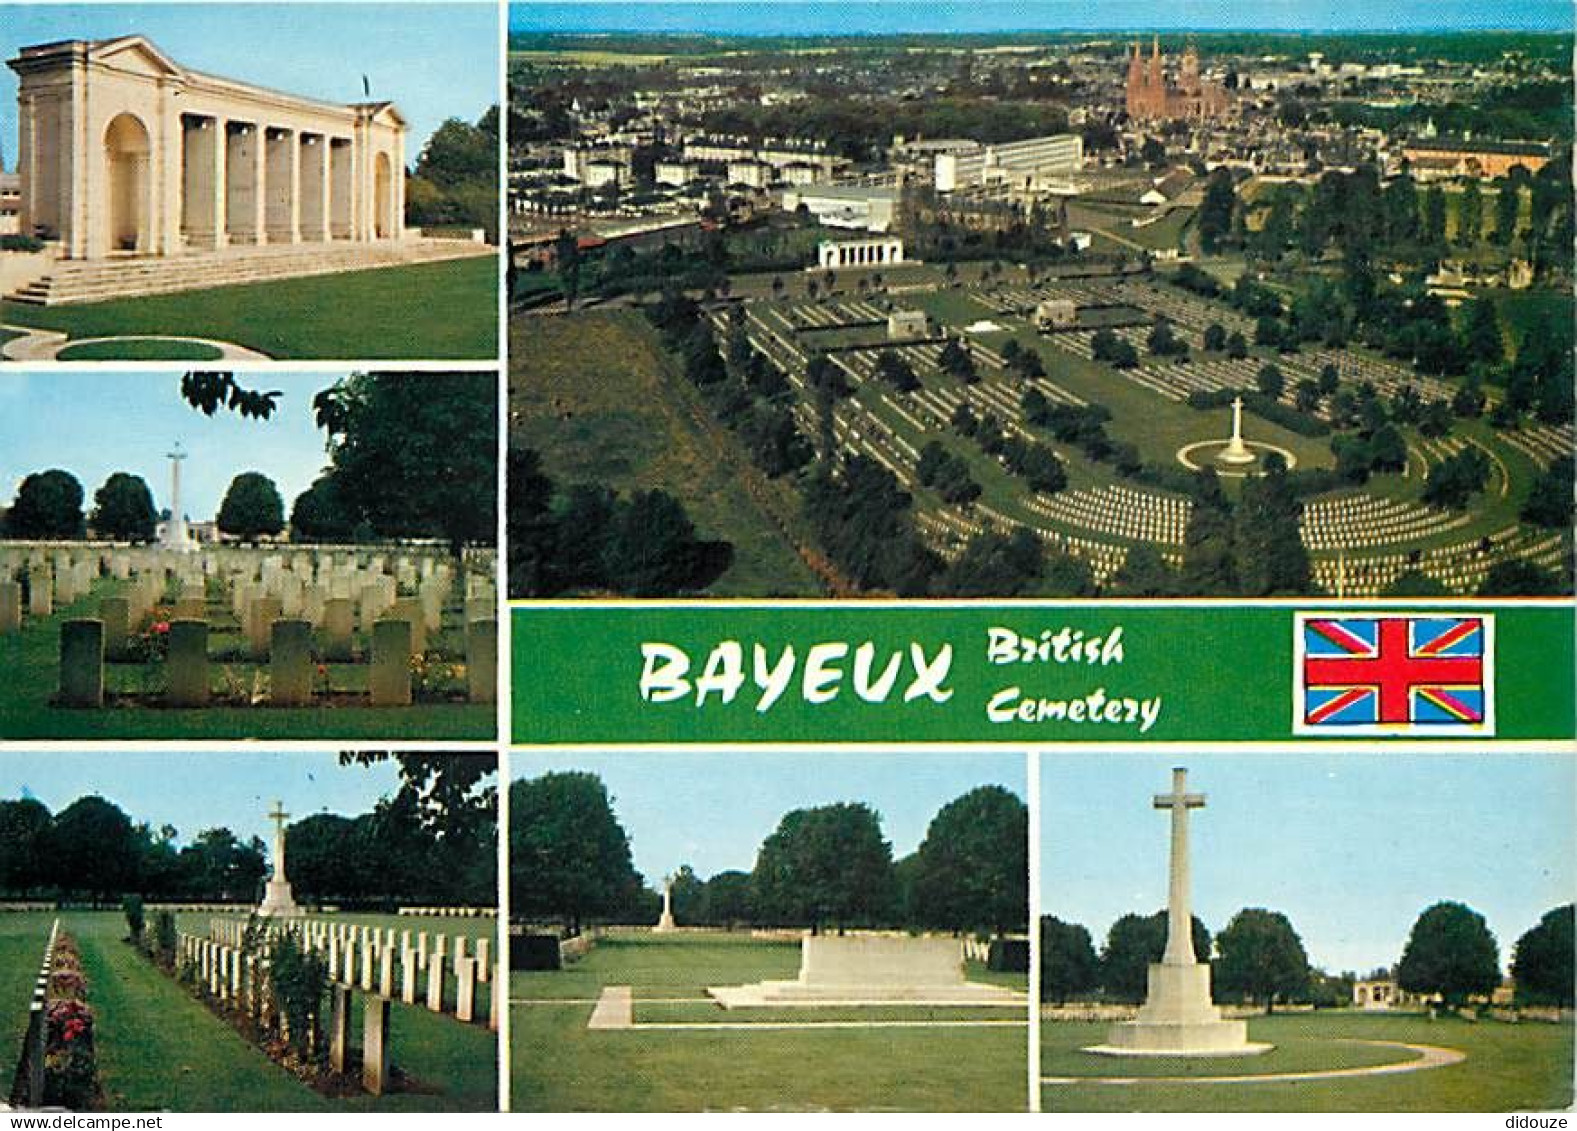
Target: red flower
point(161, 626)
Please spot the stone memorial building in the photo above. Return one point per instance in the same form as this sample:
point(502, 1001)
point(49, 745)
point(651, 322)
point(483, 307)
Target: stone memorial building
point(125, 152)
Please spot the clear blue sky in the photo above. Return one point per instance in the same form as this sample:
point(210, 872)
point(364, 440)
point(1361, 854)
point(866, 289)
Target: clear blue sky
point(229, 789)
point(436, 60)
point(759, 17)
point(1349, 847)
point(94, 424)
point(712, 811)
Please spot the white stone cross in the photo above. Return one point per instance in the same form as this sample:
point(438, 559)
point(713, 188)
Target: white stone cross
point(1179, 912)
point(279, 817)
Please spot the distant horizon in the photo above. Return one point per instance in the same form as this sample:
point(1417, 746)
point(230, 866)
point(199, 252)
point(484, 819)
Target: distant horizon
point(873, 18)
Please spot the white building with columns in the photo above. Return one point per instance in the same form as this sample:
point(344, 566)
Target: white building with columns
point(884, 251)
point(123, 151)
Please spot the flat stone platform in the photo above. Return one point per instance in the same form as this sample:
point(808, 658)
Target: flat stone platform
point(871, 970)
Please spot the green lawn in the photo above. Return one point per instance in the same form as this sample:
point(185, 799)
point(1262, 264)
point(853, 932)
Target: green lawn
point(1508, 1068)
point(160, 1049)
point(140, 349)
point(444, 310)
point(594, 394)
point(22, 939)
point(558, 1065)
point(31, 658)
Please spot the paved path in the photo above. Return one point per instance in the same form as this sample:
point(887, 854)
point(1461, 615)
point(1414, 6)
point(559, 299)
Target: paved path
point(615, 1009)
point(45, 345)
point(1429, 1056)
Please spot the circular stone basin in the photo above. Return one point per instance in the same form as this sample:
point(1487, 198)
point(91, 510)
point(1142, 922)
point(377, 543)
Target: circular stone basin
point(1198, 456)
point(1296, 1056)
point(139, 349)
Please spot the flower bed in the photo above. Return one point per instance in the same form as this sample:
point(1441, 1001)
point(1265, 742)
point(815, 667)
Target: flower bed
point(70, 1065)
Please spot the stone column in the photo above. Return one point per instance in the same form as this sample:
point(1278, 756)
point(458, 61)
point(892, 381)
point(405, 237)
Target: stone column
point(338, 623)
point(115, 612)
point(408, 969)
point(10, 607)
point(290, 664)
point(435, 981)
point(465, 988)
point(82, 663)
point(375, 1044)
point(339, 1027)
point(391, 663)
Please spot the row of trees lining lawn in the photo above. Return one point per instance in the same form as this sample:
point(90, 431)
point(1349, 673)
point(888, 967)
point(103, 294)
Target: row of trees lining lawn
point(49, 506)
point(827, 867)
point(1258, 957)
point(433, 841)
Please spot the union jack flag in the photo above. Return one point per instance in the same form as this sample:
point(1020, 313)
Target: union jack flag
point(1408, 674)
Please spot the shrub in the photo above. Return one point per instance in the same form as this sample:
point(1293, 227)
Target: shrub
point(20, 243)
point(298, 980)
point(132, 906)
point(70, 1072)
point(165, 937)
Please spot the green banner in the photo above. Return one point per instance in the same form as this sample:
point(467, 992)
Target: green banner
point(635, 673)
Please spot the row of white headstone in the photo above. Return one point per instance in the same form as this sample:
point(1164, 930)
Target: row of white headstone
point(28, 1090)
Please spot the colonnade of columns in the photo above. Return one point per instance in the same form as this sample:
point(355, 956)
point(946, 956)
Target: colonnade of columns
point(252, 183)
point(860, 253)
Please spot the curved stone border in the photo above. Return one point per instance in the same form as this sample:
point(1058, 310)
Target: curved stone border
point(1187, 450)
point(45, 345)
point(1429, 1056)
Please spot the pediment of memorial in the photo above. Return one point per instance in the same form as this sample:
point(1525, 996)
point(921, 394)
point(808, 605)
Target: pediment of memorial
point(137, 55)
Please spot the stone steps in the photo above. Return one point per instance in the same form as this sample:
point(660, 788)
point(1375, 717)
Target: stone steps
point(79, 281)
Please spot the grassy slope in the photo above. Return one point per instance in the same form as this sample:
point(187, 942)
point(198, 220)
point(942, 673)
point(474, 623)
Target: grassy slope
point(558, 1065)
point(1508, 1068)
point(429, 311)
point(593, 394)
point(30, 660)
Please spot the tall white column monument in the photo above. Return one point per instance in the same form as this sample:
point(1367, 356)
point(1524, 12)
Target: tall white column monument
point(176, 535)
point(1177, 1018)
point(665, 922)
point(277, 897)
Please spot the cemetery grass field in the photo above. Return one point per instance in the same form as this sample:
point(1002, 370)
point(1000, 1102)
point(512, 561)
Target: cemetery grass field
point(159, 1049)
point(443, 310)
point(30, 659)
point(593, 394)
point(580, 411)
point(559, 1065)
point(1509, 1067)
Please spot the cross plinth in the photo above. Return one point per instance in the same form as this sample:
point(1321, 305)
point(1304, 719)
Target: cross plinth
point(665, 922)
point(1179, 907)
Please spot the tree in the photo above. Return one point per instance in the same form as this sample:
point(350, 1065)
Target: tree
point(1215, 213)
point(123, 509)
point(320, 515)
point(1215, 338)
point(1270, 381)
point(973, 871)
point(566, 256)
point(1261, 958)
point(251, 507)
point(824, 866)
point(728, 899)
point(1449, 952)
point(1132, 944)
point(1481, 336)
point(652, 549)
point(48, 504)
point(92, 849)
point(1541, 962)
point(1549, 501)
point(23, 826)
point(1470, 213)
point(1068, 966)
point(1434, 215)
point(569, 858)
point(413, 454)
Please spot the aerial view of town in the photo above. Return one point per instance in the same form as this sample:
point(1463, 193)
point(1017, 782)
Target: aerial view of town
point(802, 311)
